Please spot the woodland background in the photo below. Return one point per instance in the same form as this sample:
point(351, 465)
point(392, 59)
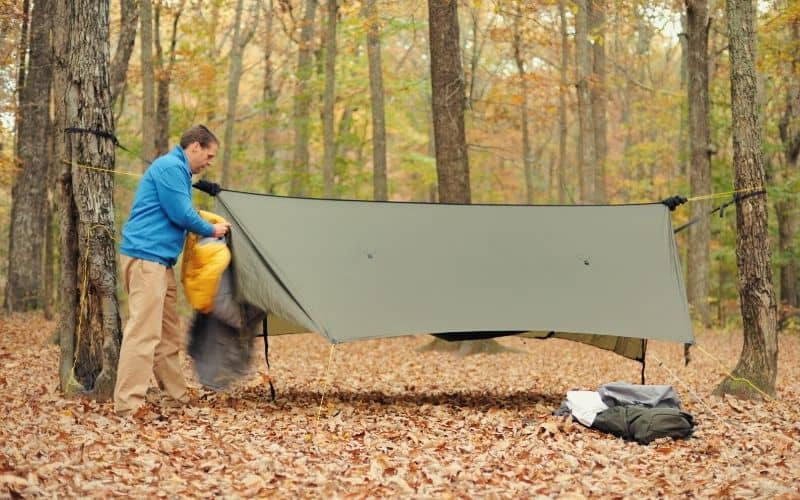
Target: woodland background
point(295, 120)
point(583, 101)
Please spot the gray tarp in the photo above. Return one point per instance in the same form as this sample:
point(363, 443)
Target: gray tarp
point(353, 270)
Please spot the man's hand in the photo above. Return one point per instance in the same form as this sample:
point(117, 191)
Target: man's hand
point(221, 229)
point(211, 188)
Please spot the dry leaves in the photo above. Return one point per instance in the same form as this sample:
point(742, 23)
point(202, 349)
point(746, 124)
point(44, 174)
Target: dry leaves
point(395, 422)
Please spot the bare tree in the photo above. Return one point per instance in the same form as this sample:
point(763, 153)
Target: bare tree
point(89, 330)
point(758, 364)
point(269, 97)
point(24, 285)
point(698, 24)
point(379, 177)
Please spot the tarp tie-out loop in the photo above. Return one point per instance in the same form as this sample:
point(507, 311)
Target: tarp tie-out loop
point(266, 356)
point(674, 202)
point(98, 133)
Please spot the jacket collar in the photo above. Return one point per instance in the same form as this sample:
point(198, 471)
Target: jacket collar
point(179, 153)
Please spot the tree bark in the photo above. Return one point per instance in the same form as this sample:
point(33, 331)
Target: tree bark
point(597, 94)
point(698, 280)
point(22, 67)
point(298, 186)
point(758, 363)
point(129, 21)
point(328, 99)
point(380, 187)
point(148, 80)
point(787, 208)
point(89, 332)
point(447, 87)
point(583, 70)
point(24, 286)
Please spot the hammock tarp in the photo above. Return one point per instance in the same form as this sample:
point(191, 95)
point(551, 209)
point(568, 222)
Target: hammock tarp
point(604, 275)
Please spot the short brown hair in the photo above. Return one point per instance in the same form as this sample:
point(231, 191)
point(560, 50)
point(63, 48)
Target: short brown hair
point(198, 133)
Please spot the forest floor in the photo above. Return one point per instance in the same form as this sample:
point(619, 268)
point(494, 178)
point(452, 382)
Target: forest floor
point(397, 422)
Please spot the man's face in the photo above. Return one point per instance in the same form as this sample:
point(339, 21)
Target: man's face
point(200, 157)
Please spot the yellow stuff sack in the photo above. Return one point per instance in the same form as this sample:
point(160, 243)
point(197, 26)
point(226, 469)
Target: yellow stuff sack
point(204, 261)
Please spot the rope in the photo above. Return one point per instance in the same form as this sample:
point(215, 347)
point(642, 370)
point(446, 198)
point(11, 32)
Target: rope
point(99, 169)
point(734, 378)
point(725, 194)
point(325, 385)
point(691, 391)
point(84, 288)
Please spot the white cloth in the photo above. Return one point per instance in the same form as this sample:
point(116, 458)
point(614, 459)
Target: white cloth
point(585, 405)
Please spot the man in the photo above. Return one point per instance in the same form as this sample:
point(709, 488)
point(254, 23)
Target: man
point(152, 239)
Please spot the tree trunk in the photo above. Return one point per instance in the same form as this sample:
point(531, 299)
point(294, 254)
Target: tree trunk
point(164, 78)
point(597, 29)
point(583, 70)
point(298, 185)
point(89, 332)
point(129, 20)
point(758, 363)
point(683, 138)
point(527, 157)
point(148, 81)
point(447, 87)
point(562, 105)
point(380, 187)
point(238, 44)
point(328, 98)
point(22, 67)
point(697, 286)
point(786, 207)
point(24, 286)
point(270, 98)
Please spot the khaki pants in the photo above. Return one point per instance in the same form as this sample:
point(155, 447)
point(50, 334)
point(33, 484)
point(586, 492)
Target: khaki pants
point(152, 339)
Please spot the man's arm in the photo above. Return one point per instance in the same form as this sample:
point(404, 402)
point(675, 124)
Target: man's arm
point(176, 200)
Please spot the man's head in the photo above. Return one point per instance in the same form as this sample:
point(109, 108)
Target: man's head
point(200, 146)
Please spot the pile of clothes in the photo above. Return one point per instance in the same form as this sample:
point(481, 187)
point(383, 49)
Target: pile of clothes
point(640, 413)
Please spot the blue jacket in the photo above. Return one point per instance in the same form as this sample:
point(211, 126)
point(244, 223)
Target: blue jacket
point(162, 212)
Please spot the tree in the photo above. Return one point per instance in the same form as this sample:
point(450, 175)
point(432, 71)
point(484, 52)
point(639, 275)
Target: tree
point(562, 104)
point(758, 363)
point(298, 186)
point(269, 97)
point(129, 20)
point(240, 40)
point(583, 70)
point(163, 75)
point(527, 155)
point(787, 206)
point(148, 80)
point(329, 98)
point(697, 287)
point(24, 285)
point(89, 330)
point(447, 87)
point(379, 183)
point(597, 94)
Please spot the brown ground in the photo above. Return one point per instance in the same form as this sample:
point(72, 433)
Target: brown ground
point(396, 422)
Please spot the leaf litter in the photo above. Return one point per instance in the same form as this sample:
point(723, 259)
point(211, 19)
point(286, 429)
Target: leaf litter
point(396, 422)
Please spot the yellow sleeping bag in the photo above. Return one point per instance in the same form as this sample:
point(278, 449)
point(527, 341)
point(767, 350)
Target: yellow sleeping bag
point(204, 261)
